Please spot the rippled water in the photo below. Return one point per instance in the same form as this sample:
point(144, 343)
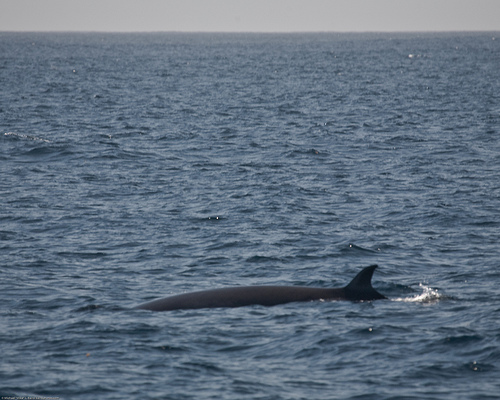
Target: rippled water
point(135, 166)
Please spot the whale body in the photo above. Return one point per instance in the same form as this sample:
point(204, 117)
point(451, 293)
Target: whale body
point(359, 289)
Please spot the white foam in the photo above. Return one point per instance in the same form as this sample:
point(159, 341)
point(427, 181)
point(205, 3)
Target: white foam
point(428, 295)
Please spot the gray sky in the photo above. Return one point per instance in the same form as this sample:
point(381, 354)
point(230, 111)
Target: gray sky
point(249, 15)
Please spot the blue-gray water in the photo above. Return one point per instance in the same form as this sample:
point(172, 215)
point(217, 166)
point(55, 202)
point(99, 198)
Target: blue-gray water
point(135, 166)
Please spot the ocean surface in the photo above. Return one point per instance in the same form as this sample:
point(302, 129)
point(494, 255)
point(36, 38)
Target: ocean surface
point(137, 166)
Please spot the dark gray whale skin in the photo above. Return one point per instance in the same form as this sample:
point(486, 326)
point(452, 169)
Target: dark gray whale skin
point(359, 289)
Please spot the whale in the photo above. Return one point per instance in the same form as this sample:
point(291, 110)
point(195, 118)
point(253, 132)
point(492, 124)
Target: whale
point(359, 289)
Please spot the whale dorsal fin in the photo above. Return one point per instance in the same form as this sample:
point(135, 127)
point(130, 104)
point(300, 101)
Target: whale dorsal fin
point(360, 288)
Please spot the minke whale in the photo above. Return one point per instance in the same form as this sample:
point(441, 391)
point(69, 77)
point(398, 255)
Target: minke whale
point(359, 289)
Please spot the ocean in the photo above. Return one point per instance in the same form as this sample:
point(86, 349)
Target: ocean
point(138, 166)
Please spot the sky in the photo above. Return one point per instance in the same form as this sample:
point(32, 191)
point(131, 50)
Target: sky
point(250, 15)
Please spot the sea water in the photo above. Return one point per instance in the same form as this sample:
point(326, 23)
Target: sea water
point(137, 166)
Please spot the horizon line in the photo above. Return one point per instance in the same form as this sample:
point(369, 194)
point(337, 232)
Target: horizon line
point(250, 31)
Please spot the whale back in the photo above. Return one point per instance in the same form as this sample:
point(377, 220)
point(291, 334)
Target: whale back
point(359, 289)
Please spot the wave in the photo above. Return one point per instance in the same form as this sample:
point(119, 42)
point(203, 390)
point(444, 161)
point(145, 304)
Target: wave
point(25, 137)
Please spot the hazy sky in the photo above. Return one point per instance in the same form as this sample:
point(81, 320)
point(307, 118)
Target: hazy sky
point(249, 15)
